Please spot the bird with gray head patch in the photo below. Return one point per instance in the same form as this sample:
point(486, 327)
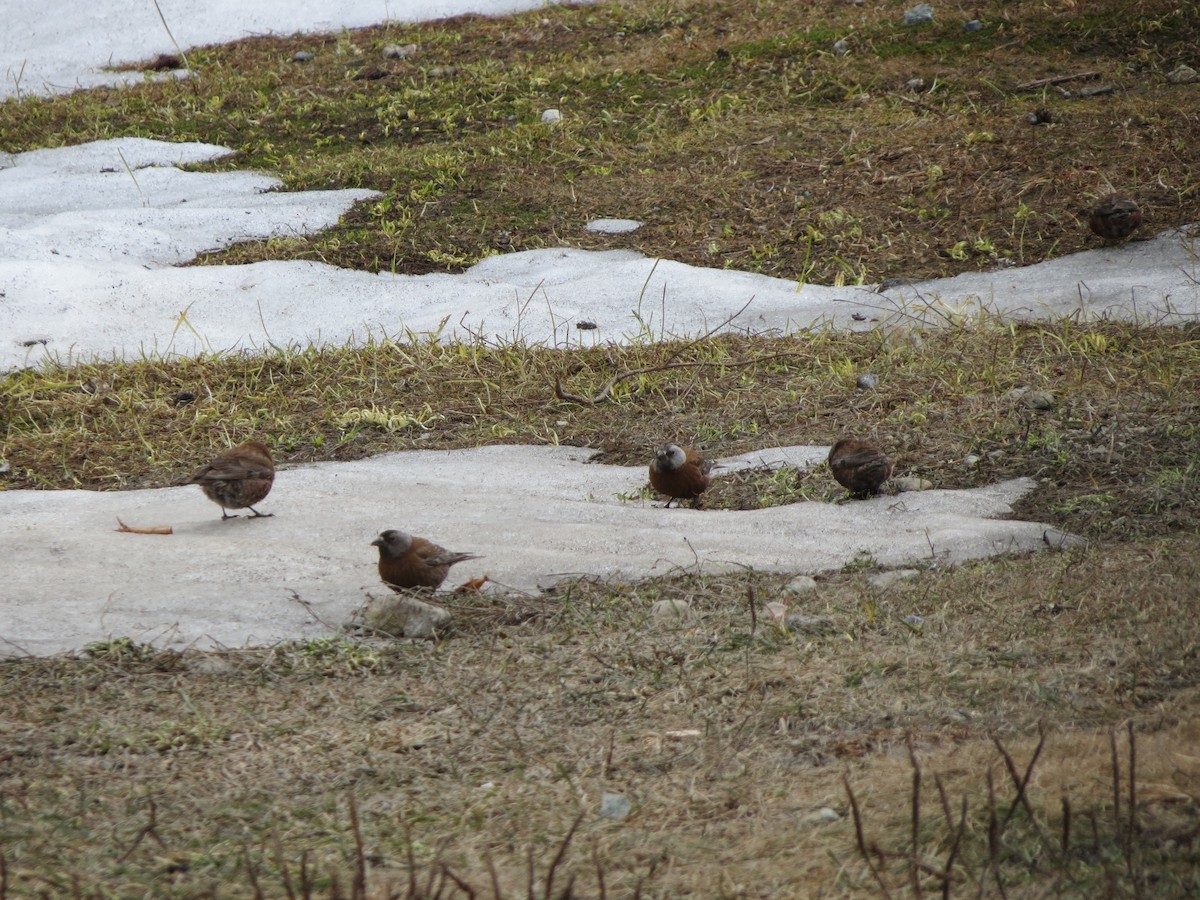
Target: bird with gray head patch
point(680, 473)
point(859, 467)
point(238, 478)
point(407, 562)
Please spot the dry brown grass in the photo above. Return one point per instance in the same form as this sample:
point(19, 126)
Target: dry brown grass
point(1116, 456)
point(489, 745)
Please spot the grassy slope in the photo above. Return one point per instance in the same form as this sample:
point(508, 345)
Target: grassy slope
point(741, 140)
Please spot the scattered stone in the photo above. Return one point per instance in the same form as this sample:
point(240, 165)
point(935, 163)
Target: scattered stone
point(921, 14)
point(1183, 75)
point(775, 612)
point(915, 622)
point(971, 460)
point(916, 85)
point(5, 467)
point(303, 56)
point(868, 381)
point(671, 610)
point(399, 51)
point(994, 455)
point(1063, 541)
point(615, 806)
point(798, 624)
point(403, 615)
point(1030, 398)
point(886, 579)
point(1096, 90)
point(1038, 400)
point(972, 25)
point(841, 47)
point(822, 816)
point(1039, 117)
point(911, 483)
point(442, 71)
point(801, 584)
point(613, 226)
point(551, 116)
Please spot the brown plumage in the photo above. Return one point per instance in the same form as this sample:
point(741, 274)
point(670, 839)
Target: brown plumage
point(1114, 217)
point(407, 562)
point(238, 478)
point(679, 473)
point(858, 466)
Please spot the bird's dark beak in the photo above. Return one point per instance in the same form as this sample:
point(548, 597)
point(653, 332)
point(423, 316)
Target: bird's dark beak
point(378, 542)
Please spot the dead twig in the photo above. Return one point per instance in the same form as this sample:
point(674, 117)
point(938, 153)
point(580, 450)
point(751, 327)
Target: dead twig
point(150, 829)
point(149, 529)
point(858, 836)
point(1056, 79)
point(560, 855)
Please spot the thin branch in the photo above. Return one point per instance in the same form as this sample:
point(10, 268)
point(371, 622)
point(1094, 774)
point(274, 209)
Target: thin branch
point(1056, 79)
point(858, 836)
point(560, 855)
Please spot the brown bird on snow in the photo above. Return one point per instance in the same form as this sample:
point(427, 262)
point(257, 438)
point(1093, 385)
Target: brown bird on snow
point(859, 467)
point(407, 562)
point(238, 478)
point(1114, 217)
point(679, 473)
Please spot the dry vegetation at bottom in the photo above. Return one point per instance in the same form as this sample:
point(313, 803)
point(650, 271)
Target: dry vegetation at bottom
point(346, 768)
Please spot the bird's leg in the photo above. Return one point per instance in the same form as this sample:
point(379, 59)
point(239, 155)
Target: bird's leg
point(258, 515)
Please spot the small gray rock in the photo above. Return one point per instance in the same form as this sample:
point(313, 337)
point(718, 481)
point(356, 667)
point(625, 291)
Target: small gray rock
point(551, 117)
point(399, 51)
point(921, 14)
point(822, 816)
point(1038, 400)
point(841, 47)
point(801, 584)
point(916, 85)
point(402, 615)
point(1183, 75)
point(615, 806)
point(971, 460)
point(915, 622)
point(887, 579)
point(303, 56)
point(868, 381)
point(613, 226)
point(973, 25)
